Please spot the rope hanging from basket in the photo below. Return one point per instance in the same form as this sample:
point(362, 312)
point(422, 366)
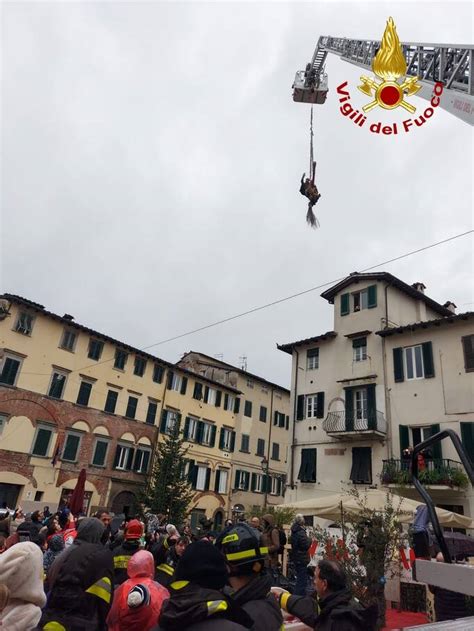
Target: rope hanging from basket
point(311, 151)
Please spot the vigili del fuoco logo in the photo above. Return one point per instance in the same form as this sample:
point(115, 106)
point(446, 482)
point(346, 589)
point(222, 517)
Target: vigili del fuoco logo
point(393, 89)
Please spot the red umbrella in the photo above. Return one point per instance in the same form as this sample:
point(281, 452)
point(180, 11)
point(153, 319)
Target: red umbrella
point(76, 501)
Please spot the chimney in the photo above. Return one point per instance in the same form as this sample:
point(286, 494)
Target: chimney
point(419, 287)
point(67, 316)
point(451, 306)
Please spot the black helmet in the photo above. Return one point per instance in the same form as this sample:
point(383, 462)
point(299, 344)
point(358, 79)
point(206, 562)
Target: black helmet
point(242, 549)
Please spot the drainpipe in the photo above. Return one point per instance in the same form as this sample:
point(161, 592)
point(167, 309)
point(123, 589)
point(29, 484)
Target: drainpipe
point(388, 411)
point(268, 449)
point(292, 475)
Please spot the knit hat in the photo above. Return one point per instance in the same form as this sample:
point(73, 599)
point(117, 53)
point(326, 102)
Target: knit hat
point(21, 570)
point(134, 529)
point(138, 596)
point(203, 564)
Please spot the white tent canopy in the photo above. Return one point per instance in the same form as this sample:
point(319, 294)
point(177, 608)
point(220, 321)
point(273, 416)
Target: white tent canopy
point(334, 506)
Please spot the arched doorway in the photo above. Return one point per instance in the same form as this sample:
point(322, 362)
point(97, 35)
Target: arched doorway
point(218, 520)
point(124, 502)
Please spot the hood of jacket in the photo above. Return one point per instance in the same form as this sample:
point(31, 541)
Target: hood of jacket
point(21, 570)
point(141, 564)
point(340, 605)
point(296, 528)
point(90, 530)
point(189, 604)
point(269, 519)
point(257, 589)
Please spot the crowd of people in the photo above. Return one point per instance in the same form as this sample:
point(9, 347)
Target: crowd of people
point(100, 573)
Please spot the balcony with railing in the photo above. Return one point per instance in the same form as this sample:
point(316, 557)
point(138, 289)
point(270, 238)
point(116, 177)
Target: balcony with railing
point(346, 425)
point(437, 472)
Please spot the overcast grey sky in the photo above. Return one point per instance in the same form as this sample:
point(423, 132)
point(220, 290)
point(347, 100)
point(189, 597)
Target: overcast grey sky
point(151, 162)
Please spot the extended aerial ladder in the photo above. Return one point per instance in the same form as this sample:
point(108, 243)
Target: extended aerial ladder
point(450, 64)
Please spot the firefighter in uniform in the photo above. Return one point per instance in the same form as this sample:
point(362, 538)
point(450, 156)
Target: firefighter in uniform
point(81, 583)
point(124, 552)
point(250, 583)
point(165, 571)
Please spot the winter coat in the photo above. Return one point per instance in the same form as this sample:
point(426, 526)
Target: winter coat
point(164, 572)
point(55, 547)
point(196, 608)
point(271, 540)
point(300, 544)
point(448, 605)
point(122, 555)
point(125, 614)
point(21, 571)
point(81, 580)
point(337, 612)
point(257, 600)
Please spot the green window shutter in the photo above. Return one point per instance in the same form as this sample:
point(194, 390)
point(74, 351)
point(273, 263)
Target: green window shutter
point(216, 481)
point(404, 436)
point(263, 414)
point(237, 405)
point(218, 398)
point(212, 440)
point(178, 422)
point(192, 473)
point(344, 304)
point(164, 416)
point(428, 364)
point(226, 401)
point(371, 407)
point(254, 482)
point(170, 379)
point(184, 384)
point(199, 431)
point(197, 394)
point(208, 479)
point(146, 461)
point(232, 441)
point(372, 296)
point(349, 410)
point(300, 407)
point(100, 453)
point(118, 451)
point(287, 422)
point(467, 437)
point(221, 438)
point(320, 405)
point(131, 453)
point(246, 475)
point(186, 427)
point(71, 447)
point(275, 418)
point(436, 449)
point(237, 479)
point(206, 394)
point(398, 364)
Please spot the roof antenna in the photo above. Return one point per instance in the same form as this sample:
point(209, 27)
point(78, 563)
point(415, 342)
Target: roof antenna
point(243, 362)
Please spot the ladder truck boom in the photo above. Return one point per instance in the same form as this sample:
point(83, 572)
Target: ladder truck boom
point(450, 64)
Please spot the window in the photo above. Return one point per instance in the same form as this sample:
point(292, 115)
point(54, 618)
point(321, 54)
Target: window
point(414, 362)
point(276, 485)
point(307, 472)
point(158, 373)
point(242, 480)
point(24, 323)
point(95, 349)
point(39, 496)
point(42, 441)
point(120, 359)
point(275, 451)
point(131, 407)
point(175, 382)
point(312, 359)
point(190, 428)
point(142, 460)
point(123, 457)
point(207, 434)
point(111, 401)
point(3, 422)
point(139, 367)
point(360, 403)
point(100, 452)
point(257, 482)
point(467, 438)
point(202, 482)
point(279, 419)
point(229, 403)
point(170, 420)
point(210, 397)
point(419, 434)
point(468, 350)
point(248, 409)
point(221, 482)
point(151, 412)
point(9, 374)
point(360, 300)
point(249, 383)
point(84, 393)
point(260, 447)
point(359, 349)
point(56, 387)
point(227, 439)
point(68, 340)
point(245, 443)
point(314, 406)
point(71, 447)
point(263, 414)
point(361, 471)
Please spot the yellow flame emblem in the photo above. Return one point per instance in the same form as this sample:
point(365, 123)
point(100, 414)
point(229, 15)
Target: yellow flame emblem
point(389, 64)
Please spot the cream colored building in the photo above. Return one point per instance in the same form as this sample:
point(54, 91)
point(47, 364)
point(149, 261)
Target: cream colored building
point(397, 367)
point(263, 431)
point(73, 398)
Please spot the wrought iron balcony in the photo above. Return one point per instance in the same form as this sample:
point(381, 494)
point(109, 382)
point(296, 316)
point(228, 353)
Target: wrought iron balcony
point(437, 472)
point(346, 424)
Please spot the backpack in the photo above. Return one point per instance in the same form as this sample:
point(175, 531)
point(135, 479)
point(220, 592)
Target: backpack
point(283, 540)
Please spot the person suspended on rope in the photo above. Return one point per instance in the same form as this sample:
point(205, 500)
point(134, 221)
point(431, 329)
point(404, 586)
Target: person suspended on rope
point(309, 189)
